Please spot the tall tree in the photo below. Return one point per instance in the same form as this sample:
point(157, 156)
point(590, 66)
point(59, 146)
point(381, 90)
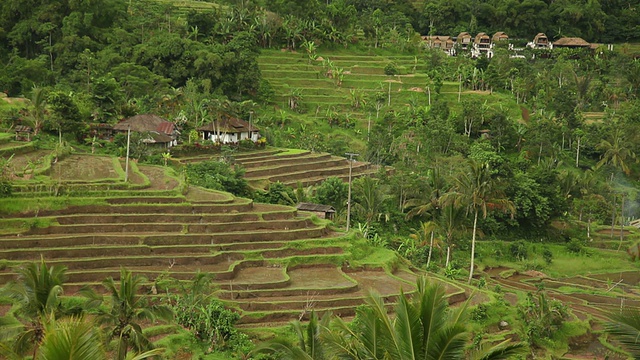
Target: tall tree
point(36, 293)
point(478, 191)
point(126, 309)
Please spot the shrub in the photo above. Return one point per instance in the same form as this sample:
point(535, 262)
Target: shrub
point(479, 313)
point(5, 188)
point(575, 246)
point(278, 193)
point(217, 175)
point(391, 69)
point(518, 250)
point(547, 255)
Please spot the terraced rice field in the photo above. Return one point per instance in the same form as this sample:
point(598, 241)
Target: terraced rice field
point(269, 262)
point(304, 167)
point(365, 74)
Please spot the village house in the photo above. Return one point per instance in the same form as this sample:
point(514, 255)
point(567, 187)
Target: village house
point(229, 130)
point(444, 43)
point(540, 41)
point(464, 39)
point(322, 211)
point(156, 130)
point(571, 43)
point(500, 36)
point(482, 46)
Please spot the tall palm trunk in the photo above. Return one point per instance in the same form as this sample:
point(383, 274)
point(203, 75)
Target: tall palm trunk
point(430, 250)
point(473, 244)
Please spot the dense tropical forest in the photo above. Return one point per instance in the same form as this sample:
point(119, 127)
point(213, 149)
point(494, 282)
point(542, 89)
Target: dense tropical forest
point(525, 161)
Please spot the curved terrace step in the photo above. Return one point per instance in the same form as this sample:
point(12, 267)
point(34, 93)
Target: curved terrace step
point(251, 165)
point(204, 228)
point(310, 164)
point(159, 239)
point(323, 172)
point(172, 218)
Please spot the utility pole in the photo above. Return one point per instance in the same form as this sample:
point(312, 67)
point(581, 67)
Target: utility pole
point(126, 163)
point(351, 156)
point(250, 126)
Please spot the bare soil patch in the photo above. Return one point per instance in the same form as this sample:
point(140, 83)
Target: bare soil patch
point(78, 167)
point(380, 282)
point(259, 275)
point(157, 178)
point(21, 161)
point(318, 278)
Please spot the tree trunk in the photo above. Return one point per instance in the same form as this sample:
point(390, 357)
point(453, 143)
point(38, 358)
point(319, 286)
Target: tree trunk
point(613, 216)
point(473, 244)
point(577, 152)
point(430, 250)
point(621, 223)
point(448, 256)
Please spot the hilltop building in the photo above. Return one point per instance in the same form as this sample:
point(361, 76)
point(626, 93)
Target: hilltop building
point(464, 39)
point(482, 46)
point(572, 43)
point(229, 130)
point(540, 41)
point(156, 130)
point(444, 43)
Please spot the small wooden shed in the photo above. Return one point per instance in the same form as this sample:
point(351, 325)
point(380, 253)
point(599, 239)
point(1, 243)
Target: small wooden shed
point(23, 133)
point(322, 211)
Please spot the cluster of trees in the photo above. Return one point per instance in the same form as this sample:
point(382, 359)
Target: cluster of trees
point(44, 325)
point(594, 20)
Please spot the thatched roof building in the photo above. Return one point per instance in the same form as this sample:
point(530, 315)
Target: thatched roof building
point(464, 39)
point(159, 130)
point(229, 130)
point(146, 123)
point(571, 42)
point(500, 36)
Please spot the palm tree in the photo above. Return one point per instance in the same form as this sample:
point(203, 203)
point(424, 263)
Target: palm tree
point(426, 231)
point(36, 293)
point(625, 327)
point(72, 338)
point(477, 190)
point(422, 328)
point(309, 347)
point(616, 152)
point(37, 108)
point(368, 199)
point(429, 204)
point(126, 310)
point(450, 222)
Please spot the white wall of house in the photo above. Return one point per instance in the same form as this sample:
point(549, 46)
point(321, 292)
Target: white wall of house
point(226, 138)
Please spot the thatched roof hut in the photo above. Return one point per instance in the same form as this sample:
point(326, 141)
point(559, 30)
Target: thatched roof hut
point(146, 123)
point(571, 42)
point(439, 41)
point(464, 39)
point(500, 36)
point(482, 38)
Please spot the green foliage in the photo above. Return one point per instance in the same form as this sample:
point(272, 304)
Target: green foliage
point(218, 175)
point(391, 69)
point(278, 193)
point(518, 250)
point(333, 191)
point(575, 246)
point(547, 255)
point(541, 316)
